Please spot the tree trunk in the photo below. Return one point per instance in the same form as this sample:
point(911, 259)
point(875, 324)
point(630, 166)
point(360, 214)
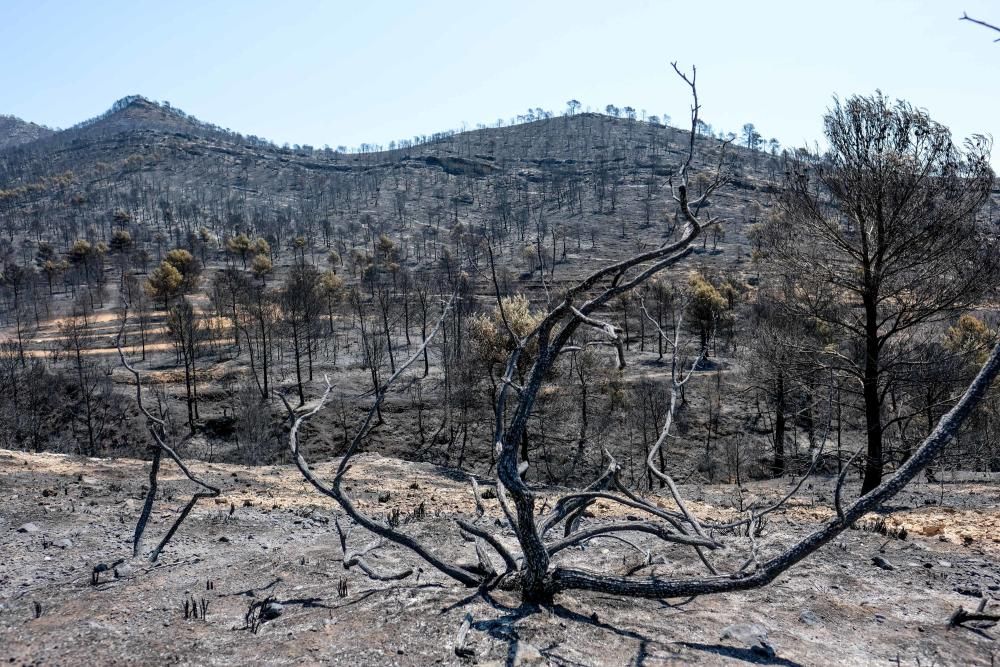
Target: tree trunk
point(873, 404)
point(187, 389)
point(296, 343)
point(778, 467)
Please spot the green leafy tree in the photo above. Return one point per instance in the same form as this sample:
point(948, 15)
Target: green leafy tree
point(164, 282)
point(239, 245)
point(187, 266)
point(261, 267)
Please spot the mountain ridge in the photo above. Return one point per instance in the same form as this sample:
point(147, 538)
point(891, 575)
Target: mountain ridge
point(15, 131)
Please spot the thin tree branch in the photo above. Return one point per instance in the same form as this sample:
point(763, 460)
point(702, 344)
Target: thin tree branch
point(966, 17)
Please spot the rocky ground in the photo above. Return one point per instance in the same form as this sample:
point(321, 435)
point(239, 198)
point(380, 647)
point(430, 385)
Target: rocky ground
point(868, 598)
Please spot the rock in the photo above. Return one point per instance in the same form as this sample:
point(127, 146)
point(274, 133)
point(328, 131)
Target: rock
point(29, 528)
point(809, 617)
point(751, 635)
point(528, 655)
point(971, 591)
point(882, 563)
point(944, 563)
point(272, 610)
point(64, 543)
point(123, 571)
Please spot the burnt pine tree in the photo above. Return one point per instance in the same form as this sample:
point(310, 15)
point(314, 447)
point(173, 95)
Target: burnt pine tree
point(301, 305)
point(878, 238)
point(185, 328)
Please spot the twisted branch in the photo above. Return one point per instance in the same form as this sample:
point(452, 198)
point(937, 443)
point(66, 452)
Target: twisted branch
point(157, 428)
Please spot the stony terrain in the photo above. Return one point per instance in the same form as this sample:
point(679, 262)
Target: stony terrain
point(867, 599)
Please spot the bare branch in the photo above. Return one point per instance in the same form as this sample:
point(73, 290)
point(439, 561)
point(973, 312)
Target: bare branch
point(695, 108)
point(966, 17)
point(334, 490)
point(943, 433)
point(357, 558)
point(659, 531)
point(610, 330)
point(490, 539)
point(837, 502)
point(157, 428)
point(566, 505)
point(460, 637)
point(480, 508)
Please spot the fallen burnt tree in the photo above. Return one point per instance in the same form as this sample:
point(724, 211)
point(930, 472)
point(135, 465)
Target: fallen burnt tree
point(530, 569)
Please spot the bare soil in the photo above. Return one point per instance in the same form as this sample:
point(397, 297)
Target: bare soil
point(271, 535)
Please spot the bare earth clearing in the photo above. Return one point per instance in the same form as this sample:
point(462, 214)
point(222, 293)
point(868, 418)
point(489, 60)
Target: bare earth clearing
point(270, 535)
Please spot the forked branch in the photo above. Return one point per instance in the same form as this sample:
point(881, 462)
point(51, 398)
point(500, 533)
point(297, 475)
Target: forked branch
point(157, 428)
point(966, 17)
point(655, 587)
point(333, 490)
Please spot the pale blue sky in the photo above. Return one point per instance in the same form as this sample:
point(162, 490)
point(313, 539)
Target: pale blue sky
point(350, 72)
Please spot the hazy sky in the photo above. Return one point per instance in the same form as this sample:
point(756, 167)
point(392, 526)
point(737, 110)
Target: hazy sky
point(366, 71)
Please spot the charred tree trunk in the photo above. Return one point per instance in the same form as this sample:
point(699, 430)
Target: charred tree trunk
point(872, 400)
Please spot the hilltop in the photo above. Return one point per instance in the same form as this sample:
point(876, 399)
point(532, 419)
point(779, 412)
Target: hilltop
point(14, 131)
point(604, 174)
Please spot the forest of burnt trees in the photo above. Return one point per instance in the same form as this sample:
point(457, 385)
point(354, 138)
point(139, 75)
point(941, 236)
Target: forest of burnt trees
point(250, 270)
point(592, 386)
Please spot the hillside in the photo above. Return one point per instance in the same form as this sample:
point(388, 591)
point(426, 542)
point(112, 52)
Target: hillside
point(14, 131)
point(90, 212)
point(140, 145)
point(553, 197)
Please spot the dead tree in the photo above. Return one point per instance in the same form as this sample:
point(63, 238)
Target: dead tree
point(336, 492)
point(880, 237)
point(532, 569)
point(678, 378)
point(158, 429)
